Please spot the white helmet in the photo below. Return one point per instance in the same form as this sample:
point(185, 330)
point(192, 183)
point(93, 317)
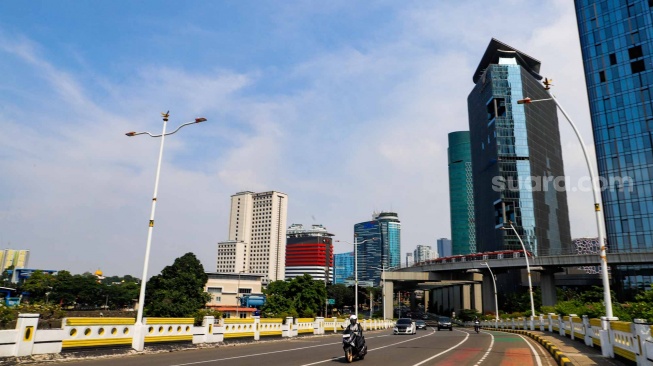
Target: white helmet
point(352, 319)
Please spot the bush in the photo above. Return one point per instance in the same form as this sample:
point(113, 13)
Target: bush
point(201, 313)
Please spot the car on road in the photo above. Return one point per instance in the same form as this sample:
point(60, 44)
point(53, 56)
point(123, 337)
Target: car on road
point(444, 323)
point(404, 326)
point(420, 324)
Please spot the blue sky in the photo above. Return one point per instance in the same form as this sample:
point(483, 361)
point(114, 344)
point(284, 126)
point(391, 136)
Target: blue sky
point(345, 106)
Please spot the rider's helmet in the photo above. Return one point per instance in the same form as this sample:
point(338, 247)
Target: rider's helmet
point(352, 319)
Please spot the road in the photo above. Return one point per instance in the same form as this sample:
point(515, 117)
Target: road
point(459, 347)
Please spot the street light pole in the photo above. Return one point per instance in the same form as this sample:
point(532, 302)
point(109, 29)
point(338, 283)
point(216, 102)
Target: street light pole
point(494, 282)
point(597, 200)
point(528, 270)
point(356, 267)
point(141, 297)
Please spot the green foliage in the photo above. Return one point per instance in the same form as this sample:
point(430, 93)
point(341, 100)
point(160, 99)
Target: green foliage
point(301, 296)
point(343, 295)
point(201, 313)
point(468, 314)
point(179, 290)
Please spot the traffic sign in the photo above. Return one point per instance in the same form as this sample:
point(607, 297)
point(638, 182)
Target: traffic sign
point(331, 301)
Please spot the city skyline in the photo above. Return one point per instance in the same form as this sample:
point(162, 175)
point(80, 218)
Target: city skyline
point(324, 93)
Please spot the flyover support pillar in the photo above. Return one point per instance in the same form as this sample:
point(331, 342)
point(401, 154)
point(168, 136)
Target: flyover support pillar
point(467, 298)
point(478, 297)
point(547, 284)
point(488, 295)
point(388, 297)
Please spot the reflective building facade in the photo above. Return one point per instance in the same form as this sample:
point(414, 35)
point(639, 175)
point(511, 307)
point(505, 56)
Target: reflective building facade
point(344, 267)
point(461, 194)
point(383, 252)
point(616, 40)
point(516, 156)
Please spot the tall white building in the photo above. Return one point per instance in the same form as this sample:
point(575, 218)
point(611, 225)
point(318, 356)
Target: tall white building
point(423, 253)
point(257, 235)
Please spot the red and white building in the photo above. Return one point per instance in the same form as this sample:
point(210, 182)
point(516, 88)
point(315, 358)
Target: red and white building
point(309, 251)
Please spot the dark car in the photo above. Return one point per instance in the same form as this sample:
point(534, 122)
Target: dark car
point(420, 324)
point(444, 323)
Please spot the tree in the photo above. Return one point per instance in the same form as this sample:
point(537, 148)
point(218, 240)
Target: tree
point(343, 295)
point(301, 296)
point(179, 290)
point(38, 284)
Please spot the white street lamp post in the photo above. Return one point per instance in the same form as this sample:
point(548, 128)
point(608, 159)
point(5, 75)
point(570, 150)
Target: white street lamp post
point(597, 203)
point(528, 270)
point(494, 283)
point(141, 298)
point(356, 268)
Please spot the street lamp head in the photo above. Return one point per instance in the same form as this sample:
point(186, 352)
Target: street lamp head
point(130, 134)
point(200, 119)
point(525, 101)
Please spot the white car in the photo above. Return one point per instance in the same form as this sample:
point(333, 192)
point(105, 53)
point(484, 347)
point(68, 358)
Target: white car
point(405, 326)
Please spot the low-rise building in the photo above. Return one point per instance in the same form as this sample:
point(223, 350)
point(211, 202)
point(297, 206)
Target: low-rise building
point(227, 289)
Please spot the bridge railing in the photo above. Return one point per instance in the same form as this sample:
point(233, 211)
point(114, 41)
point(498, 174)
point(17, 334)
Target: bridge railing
point(630, 341)
point(80, 333)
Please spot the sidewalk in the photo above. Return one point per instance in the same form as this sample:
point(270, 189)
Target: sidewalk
point(576, 351)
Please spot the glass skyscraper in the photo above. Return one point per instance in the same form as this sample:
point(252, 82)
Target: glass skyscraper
point(344, 267)
point(461, 194)
point(383, 252)
point(616, 40)
point(516, 156)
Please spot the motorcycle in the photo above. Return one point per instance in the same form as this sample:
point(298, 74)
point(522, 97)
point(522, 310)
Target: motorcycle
point(353, 345)
point(477, 327)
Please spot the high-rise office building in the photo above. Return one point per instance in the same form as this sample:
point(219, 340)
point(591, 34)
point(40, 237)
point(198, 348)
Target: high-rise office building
point(344, 267)
point(516, 156)
point(309, 251)
point(423, 253)
point(409, 259)
point(461, 194)
point(385, 251)
point(257, 235)
point(616, 39)
point(444, 248)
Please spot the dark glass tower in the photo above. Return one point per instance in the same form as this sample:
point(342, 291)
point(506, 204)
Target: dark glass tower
point(516, 156)
point(374, 254)
point(616, 40)
point(461, 194)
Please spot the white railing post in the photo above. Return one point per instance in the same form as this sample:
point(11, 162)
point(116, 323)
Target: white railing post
point(335, 324)
point(645, 343)
point(605, 334)
point(561, 325)
point(287, 327)
point(26, 326)
point(588, 330)
point(541, 317)
point(550, 322)
point(257, 327)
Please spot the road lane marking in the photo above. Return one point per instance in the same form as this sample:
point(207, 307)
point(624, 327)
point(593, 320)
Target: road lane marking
point(372, 350)
point(537, 356)
point(445, 351)
point(266, 353)
point(488, 350)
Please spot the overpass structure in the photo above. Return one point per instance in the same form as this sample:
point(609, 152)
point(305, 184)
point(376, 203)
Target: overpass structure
point(454, 286)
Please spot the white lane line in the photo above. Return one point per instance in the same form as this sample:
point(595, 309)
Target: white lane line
point(372, 350)
point(446, 350)
point(263, 353)
point(488, 350)
point(537, 356)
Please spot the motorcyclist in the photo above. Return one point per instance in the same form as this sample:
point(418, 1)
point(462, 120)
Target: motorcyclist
point(356, 328)
point(477, 324)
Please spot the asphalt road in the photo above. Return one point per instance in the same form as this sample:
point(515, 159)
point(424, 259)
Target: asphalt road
point(459, 347)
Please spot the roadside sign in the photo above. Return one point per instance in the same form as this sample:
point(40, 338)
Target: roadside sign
point(331, 301)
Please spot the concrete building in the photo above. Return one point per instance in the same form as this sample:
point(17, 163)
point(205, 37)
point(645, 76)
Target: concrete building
point(461, 194)
point(257, 235)
point(226, 289)
point(309, 251)
point(423, 253)
point(384, 251)
point(616, 39)
point(13, 257)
